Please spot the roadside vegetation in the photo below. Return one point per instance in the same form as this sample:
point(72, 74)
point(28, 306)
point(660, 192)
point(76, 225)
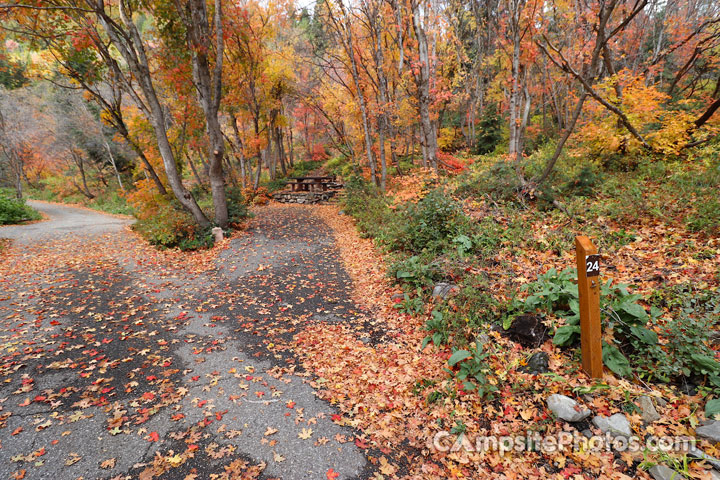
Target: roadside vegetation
point(510, 255)
point(14, 210)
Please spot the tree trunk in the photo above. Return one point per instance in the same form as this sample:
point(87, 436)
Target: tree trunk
point(515, 88)
point(291, 145)
point(209, 91)
point(382, 120)
point(350, 50)
point(18, 184)
point(80, 162)
point(130, 46)
point(259, 170)
point(241, 154)
point(422, 80)
point(114, 165)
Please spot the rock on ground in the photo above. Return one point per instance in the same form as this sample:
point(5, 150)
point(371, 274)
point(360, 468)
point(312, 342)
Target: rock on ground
point(538, 363)
point(710, 432)
point(443, 290)
point(647, 408)
point(661, 472)
point(566, 408)
point(617, 424)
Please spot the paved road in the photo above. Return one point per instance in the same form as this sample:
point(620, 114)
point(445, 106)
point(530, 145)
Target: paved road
point(63, 220)
point(115, 364)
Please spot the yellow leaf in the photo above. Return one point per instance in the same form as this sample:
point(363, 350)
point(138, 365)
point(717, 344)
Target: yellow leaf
point(385, 467)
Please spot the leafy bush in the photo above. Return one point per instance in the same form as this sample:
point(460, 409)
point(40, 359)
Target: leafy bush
point(301, 169)
point(416, 271)
point(450, 140)
point(686, 352)
point(13, 210)
point(275, 184)
point(432, 224)
point(463, 315)
point(499, 181)
point(340, 165)
point(111, 202)
point(490, 132)
point(411, 305)
point(172, 227)
point(696, 317)
point(584, 183)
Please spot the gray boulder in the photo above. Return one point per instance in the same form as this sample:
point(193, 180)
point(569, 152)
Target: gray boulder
point(537, 363)
point(444, 290)
point(710, 431)
point(616, 425)
point(695, 452)
point(566, 408)
point(647, 409)
point(661, 472)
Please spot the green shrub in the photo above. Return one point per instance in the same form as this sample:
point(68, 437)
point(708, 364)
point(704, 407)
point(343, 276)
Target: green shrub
point(172, 227)
point(472, 368)
point(435, 224)
point(417, 271)
point(585, 183)
point(275, 184)
point(499, 181)
point(364, 202)
point(339, 165)
point(490, 135)
point(237, 206)
point(686, 352)
point(13, 210)
point(301, 169)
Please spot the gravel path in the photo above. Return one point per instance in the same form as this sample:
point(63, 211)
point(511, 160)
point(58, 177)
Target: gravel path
point(63, 220)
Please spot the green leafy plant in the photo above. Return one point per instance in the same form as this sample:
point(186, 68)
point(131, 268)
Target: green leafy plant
point(635, 346)
point(411, 305)
point(237, 206)
point(437, 325)
point(431, 224)
point(416, 271)
point(473, 370)
point(712, 408)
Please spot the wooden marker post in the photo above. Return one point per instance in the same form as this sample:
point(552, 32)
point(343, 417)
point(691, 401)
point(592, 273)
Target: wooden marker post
point(588, 268)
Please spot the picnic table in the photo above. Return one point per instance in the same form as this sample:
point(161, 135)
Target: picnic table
point(311, 184)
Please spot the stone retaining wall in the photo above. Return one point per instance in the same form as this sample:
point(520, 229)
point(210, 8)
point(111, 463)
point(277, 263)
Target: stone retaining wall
point(304, 197)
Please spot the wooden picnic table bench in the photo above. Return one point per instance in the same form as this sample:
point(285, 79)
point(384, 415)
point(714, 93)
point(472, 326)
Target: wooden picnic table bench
point(309, 184)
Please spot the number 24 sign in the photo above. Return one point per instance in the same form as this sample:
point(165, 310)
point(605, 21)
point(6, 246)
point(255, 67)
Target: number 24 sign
point(592, 265)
